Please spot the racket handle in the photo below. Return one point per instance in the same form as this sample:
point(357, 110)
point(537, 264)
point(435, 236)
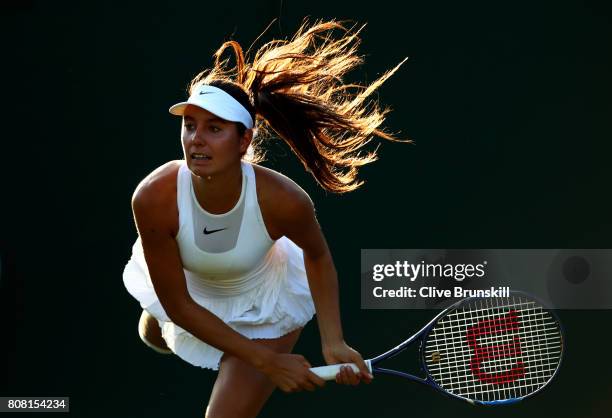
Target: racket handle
point(330, 372)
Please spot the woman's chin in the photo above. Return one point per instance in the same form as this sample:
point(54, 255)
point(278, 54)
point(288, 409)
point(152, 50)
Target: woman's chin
point(200, 168)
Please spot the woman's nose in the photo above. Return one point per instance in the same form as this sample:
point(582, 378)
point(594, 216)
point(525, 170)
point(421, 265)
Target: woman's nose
point(198, 137)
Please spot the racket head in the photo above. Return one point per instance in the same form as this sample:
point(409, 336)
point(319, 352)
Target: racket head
point(493, 350)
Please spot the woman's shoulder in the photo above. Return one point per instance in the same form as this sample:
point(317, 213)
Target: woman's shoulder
point(159, 186)
point(275, 185)
point(280, 197)
point(283, 203)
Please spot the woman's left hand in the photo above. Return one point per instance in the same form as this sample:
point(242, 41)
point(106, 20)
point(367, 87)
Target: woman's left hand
point(342, 353)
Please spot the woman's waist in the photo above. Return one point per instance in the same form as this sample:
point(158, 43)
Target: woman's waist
point(232, 283)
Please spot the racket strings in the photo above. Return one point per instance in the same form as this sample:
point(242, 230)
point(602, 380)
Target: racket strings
point(494, 349)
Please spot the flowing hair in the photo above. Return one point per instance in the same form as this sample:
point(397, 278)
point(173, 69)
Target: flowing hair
point(295, 89)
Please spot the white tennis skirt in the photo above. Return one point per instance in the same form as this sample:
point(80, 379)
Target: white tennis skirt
point(281, 304)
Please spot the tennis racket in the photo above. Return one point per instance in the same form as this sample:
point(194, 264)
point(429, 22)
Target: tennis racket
point(488, 351)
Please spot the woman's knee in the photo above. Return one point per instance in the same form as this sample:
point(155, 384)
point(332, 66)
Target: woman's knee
point(150, 333)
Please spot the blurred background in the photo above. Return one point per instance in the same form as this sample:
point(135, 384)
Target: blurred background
point(509, 107)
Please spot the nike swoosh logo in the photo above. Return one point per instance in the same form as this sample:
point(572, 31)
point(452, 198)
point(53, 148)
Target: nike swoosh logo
point(205, 92)
point(212, 231)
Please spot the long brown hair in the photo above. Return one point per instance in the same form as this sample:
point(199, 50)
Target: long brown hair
point(295, 89)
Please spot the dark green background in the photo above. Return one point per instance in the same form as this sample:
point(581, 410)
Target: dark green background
point(509, 105)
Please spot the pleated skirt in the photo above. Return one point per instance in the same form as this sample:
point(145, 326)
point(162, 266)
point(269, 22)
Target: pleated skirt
point(280, 302)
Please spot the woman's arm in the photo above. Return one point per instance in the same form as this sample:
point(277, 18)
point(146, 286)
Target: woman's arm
point(296, 215)
point(154, 211)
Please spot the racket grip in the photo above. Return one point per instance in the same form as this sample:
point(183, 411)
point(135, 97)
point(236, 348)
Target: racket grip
point(330, 372)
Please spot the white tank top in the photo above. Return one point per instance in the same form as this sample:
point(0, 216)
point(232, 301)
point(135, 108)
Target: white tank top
point(222, 254)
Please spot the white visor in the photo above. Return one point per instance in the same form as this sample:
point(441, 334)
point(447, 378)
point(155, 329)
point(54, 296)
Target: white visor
point(217, 102)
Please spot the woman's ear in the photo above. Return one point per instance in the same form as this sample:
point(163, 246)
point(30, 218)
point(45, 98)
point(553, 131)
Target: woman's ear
point(245, 140)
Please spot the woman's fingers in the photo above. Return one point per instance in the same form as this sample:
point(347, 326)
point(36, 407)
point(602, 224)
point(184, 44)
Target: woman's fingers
point(353, 377)
point(315, 379)
point(346, 376)
point(295, 374)
point(342, 353)
point(307, 385)
point(364, 372)
point(366, 377)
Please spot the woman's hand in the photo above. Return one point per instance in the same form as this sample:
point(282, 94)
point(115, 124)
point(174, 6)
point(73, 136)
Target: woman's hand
point(341, 353)
point(291, 373)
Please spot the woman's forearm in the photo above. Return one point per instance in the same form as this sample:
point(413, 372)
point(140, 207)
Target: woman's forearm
point(207, 327)
point(323, 282)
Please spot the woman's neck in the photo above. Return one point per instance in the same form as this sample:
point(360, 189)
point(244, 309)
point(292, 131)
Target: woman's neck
point(218, 193)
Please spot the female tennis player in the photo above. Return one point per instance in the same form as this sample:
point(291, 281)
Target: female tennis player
point(230, 262)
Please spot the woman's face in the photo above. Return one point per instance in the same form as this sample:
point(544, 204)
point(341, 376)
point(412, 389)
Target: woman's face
point(211, 145)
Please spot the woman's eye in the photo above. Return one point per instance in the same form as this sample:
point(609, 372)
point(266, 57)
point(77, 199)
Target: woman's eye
point(215, 129)
point(188, 127)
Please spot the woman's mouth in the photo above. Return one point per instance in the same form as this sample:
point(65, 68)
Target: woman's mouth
point(200, 156)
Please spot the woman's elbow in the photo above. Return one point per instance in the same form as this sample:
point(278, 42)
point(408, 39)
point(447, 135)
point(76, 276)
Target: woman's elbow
point(177, 310)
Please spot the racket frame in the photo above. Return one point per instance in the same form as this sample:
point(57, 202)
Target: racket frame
point(421, 336)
